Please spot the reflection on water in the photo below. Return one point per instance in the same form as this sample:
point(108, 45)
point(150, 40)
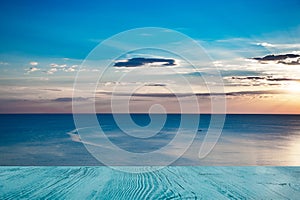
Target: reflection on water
point(294, 151)
point(246, 140)
point(266, 140)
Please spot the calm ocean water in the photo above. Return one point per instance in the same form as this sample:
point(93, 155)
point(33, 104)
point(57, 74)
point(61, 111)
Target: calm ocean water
point(51, 139)
point(43, 154)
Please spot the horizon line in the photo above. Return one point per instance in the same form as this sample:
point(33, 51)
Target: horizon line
point(137, 113)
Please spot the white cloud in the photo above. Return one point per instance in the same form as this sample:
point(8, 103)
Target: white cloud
point(279, 45)
point(32, 69)
point(51, 71)
point(33, 63)
point(54, 65)
point(69, 69)
point(218, 63)
point(62, 66)
point(265, 44)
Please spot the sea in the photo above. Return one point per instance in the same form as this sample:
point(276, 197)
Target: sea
point(49, 156)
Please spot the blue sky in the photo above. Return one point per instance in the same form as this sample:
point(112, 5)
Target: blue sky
point(72, 28)
point(43, 44)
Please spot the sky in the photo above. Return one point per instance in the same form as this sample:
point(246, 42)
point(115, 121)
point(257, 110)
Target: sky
point(45, 43)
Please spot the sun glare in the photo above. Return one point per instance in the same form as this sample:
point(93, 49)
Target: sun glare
point(293, 87)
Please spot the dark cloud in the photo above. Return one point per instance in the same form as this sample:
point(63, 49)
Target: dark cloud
point(160, 95)
point(277, 57)
point(69, 99)
point(267, 78)
point(241, 93)
point(50, 89)
point(207, 94)
point(248, 77)
point(147, 94)
point(282, 79)
point(290, 63)
point(260, 92)
point(156, 84)
point(136, 62)
point(280, 59)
